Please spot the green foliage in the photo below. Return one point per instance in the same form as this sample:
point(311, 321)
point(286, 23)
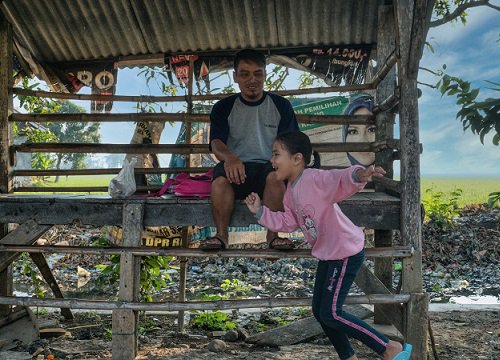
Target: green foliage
point(28, 269)
point(480, 117)
point(276, 77)
point(213, 320)
point(494, 199)
point(440, 208)
point(236, 287)
point(153, 276)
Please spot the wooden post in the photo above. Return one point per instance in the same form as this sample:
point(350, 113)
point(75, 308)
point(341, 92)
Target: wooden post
point(413, 18)
point(385, 131)
point(185, 230)
point(5, 139)
point(417, 324)
point(125, 321)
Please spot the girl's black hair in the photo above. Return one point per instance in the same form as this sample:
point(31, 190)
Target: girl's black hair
point(296, 142)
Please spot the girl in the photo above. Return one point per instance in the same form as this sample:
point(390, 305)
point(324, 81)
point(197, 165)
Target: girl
point(310, 203)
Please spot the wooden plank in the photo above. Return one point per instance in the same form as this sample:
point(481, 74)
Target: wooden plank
point(369, 283)
point(178, 117)
point(125, 321)
point(25, 234)
point(394, 251)
point(44, 268)
point(300, 330)
point(369, 209)
point(146, 98)
point(416, 325)
point(184, 149)
point(195, 305)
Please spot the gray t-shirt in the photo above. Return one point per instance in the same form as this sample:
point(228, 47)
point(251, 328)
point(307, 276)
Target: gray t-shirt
point(249, 128)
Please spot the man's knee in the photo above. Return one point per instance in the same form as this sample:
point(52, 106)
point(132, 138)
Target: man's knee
point(220, 183)
point(273, 182)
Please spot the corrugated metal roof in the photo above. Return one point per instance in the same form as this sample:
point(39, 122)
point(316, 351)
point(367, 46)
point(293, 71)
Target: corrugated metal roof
point(76, 30)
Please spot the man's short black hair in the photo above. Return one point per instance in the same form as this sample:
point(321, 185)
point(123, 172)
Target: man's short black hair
point(249, 55)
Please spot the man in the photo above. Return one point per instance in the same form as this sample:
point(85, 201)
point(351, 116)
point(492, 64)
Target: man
point(242, 130)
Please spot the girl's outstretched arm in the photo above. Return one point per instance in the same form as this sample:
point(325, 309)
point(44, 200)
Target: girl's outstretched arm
point(365, 175)
point(253, 202)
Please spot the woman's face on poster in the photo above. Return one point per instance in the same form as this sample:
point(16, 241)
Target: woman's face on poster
point(362, 133)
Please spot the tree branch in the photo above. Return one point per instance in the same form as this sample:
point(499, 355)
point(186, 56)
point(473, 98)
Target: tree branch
point(459, 10)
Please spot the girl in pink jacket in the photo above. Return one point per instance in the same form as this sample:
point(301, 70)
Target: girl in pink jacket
point(310, 203)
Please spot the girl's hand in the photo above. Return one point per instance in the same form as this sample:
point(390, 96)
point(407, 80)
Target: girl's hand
point(253, 202)
point(365, 175)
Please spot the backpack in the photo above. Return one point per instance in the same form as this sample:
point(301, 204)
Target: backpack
point(185, 185)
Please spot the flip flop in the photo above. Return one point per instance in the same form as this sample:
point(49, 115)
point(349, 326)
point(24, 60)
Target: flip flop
point(286, 246)
point(221, 245)
point(405, 354)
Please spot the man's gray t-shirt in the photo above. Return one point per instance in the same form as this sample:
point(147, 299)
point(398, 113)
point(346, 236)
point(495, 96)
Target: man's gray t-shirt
point(249, 128)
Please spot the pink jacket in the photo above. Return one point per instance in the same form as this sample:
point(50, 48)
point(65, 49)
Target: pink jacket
point(311, 205)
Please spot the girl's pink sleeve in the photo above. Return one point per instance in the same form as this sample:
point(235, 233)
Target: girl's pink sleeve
point(284, 221)
point(338, 185)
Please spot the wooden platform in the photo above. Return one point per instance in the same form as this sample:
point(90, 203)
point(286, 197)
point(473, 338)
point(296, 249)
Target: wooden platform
point(373, 210)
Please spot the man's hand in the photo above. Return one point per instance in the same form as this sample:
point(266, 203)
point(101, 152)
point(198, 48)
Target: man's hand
point(365, 175)
point(235, 170)
point(253, 202)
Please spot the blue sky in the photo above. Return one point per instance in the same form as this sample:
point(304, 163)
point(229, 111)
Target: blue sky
point(471, 52)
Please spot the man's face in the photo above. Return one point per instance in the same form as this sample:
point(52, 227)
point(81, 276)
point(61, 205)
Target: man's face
point(250, 78)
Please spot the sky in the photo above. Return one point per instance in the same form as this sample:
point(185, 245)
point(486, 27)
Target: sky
point(471, 52)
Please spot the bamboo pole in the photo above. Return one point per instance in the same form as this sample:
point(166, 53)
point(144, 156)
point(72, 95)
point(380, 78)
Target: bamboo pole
point(394, 251)
point(194, 305)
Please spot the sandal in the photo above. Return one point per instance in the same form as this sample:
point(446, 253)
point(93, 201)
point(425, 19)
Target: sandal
point(287, 245)
point(220, 245)
point(405, 354)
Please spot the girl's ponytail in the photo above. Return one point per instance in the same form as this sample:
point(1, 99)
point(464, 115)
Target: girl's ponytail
point(316, 160)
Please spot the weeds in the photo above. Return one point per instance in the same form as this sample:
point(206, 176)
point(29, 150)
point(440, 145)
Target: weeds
point(441, 209)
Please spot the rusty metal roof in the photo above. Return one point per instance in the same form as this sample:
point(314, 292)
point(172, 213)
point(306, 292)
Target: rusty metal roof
point(54, 31)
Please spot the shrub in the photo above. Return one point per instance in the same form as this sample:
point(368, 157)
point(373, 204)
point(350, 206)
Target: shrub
point(440, 208)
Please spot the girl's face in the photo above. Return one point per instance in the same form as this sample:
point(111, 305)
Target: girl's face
point(286, 165)
point(362, 133)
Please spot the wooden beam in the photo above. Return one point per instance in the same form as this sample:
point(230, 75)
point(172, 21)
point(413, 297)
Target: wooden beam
point(68, 172)
point(26, 234)
point(87, 148)
point(125, 321)
point(179, 117)
point(44, 268)
point(395, 251)
point(369, 209)
point(369, 283)
point(193, 305)
point(145, 98)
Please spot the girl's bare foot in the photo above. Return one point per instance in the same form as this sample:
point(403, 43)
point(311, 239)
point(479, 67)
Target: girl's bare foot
point(393, 348)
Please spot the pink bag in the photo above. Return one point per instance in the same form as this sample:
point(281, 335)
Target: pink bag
point(185, 185)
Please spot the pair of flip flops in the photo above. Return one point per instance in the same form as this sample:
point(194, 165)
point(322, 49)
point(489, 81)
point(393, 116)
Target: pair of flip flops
point(405, 354)
point(221, 245)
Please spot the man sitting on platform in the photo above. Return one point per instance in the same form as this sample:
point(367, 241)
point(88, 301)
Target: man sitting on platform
point(242, 130)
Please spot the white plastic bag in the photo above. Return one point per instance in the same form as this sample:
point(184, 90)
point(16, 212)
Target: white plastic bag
point(123, 184)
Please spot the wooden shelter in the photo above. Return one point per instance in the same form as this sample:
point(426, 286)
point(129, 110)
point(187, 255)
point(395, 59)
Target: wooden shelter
point(48, 38)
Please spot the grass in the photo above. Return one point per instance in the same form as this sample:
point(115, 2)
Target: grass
point(475, 190)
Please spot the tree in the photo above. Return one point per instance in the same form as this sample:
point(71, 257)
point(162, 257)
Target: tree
point(479, 116)
point(74, 132)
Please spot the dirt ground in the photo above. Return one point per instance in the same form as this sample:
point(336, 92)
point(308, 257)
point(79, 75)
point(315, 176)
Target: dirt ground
point(457, 335)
